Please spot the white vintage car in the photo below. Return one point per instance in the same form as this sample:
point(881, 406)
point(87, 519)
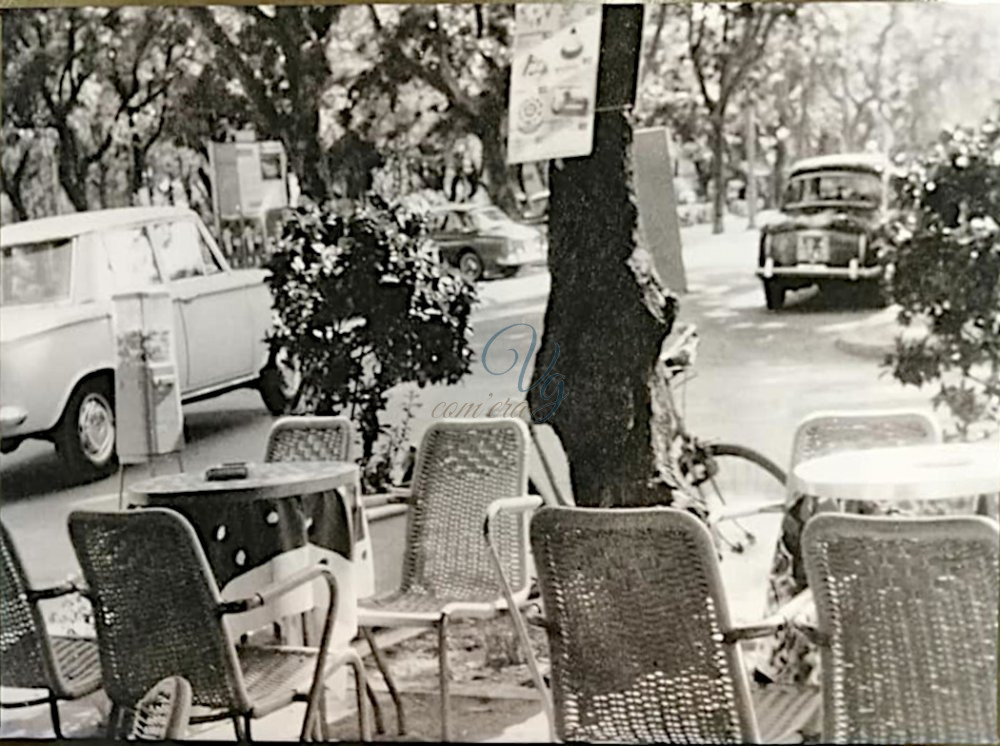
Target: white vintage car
point(57, 355)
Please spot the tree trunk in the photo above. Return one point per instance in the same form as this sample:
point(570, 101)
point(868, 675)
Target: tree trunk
point(606, 319)
point(307, 156)
point(13, 185)
point(718, 172)
point(495, 169)
point(778, 174)
point(137, 172)
point(73, 183)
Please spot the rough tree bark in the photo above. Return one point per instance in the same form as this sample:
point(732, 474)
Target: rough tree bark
point(608, 313)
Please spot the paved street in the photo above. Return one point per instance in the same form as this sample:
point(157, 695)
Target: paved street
point(758, 373)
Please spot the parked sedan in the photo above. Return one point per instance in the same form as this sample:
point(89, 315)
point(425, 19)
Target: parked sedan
point(831, 209)
point(482, 240)
point(57, 354)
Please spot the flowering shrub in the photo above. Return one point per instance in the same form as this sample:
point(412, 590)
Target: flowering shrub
point(362, 304)
point(945, 250)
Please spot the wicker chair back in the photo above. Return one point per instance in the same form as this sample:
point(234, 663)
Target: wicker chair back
point(463, 466)
point(823, 433)
point(636, 621)
point(310, 439)
point(908, 610)
point(24, 647)
point(156, 607)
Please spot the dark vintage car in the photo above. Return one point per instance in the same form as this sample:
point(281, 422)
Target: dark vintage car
point(481, 240)
point(831, 208)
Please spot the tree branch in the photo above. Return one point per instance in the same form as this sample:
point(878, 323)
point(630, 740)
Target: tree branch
point(694, 49)
point(255, 89)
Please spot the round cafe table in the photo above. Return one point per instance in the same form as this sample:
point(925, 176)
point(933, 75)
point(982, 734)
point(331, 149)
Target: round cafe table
point(284, 516)
point(902, 473)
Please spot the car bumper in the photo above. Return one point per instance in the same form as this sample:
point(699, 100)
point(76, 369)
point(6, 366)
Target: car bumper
point(11, 418)
point(528, 256)
point(819, 271)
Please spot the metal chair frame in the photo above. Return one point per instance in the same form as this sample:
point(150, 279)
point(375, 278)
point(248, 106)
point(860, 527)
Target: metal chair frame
point(292, 438)
point(22, 623)
point(658, 536)
point(924, 427)
point(436, 610)
point(224, 677)
point(906, 626)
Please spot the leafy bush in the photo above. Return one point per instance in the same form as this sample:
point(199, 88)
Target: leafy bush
point(362, 304)
point(945, 250)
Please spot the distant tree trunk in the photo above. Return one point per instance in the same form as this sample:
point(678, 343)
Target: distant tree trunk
point(778, 174)
point(13, 185)
point(608, 330)
point(718, 170)
point(72, 173)
point(492, 109)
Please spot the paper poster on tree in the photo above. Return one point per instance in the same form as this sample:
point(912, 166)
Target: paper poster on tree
point(553, 82)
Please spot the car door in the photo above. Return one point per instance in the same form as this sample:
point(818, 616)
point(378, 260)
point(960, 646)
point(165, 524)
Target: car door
point(212, 304)
point(454, 235)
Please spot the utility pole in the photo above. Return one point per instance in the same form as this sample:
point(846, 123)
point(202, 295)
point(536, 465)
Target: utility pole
point(751, 141)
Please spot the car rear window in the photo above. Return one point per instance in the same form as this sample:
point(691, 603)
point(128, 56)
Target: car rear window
point(36, 272)
point(834, 186)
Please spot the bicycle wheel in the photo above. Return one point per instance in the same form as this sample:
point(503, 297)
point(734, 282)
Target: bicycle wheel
point(740, 476)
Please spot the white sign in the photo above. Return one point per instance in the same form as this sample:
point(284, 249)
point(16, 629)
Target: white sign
point(553, 81)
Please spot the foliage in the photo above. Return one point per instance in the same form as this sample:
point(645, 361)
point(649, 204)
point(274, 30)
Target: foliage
point(946, 255)
point(362, 304)
point(275, 57)
point(99, 83)
point(440, 80)
point(393, 457)
point(726, 42)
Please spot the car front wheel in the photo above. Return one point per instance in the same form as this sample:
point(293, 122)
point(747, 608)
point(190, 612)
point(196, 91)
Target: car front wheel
point(85, 437)
point(774, 295)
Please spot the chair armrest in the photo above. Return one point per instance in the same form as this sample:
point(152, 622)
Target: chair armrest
point(787, 615)
point(730, 513)
point(519, 504)
point(71, 585)
point(280, 588)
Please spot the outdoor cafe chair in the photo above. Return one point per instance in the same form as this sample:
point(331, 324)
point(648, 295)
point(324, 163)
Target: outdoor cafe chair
point(822, 433)
point(158, 613)
point(466, 471)
point(826, 432)
point(906, 626)
point(163, 712)
point(318, 438)
point(641, 643)
point(301, 438)
point(66, 667)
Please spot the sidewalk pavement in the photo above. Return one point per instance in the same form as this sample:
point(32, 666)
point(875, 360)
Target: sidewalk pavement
point(875, 336)
point(526, 293)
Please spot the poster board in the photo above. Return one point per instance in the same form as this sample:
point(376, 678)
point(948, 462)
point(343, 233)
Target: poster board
point(248, 178)
point(657, 198)
point(148, 417)
point(553, 81)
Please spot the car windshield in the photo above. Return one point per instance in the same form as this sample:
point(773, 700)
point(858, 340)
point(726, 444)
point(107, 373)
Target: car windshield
point(488, 216)
point(833, 186)
point(35, 273)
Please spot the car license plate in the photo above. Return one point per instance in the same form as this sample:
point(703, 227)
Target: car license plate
point(812, 250)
